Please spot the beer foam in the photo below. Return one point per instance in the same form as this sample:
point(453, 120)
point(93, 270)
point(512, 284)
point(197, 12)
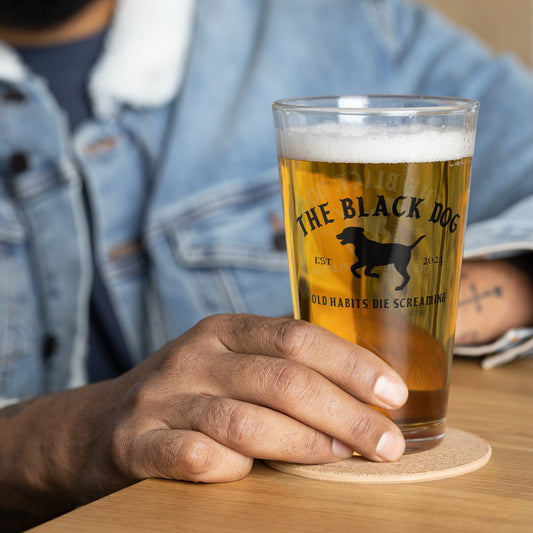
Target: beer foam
point(354, 143)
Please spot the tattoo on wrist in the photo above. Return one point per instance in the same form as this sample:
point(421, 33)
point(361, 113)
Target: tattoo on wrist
point(476, 297)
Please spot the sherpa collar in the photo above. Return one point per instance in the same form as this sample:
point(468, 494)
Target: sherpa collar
point(144, 57)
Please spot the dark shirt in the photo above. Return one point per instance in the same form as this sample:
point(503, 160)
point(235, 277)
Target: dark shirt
point(66, 67)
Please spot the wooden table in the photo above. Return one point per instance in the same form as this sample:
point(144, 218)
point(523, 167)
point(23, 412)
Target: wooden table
point(495, 404)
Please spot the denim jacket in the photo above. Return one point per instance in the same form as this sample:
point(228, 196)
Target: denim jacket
point(181, 168)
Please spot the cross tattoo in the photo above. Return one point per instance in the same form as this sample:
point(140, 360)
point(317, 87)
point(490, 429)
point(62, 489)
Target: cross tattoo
point(477, 297)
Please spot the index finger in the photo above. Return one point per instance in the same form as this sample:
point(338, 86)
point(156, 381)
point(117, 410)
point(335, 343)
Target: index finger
point(353, 368)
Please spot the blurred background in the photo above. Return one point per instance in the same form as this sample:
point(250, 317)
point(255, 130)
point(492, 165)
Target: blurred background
point(506, 25)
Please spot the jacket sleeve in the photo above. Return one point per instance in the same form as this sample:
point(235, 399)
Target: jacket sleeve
point(430, 55)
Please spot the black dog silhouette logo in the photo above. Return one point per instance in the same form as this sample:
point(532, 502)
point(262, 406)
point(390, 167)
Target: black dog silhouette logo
point(371, 254)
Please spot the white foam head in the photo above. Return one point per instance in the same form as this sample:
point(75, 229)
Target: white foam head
point(348, 142)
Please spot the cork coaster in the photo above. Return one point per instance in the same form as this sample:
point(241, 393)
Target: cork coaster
point(460, 452)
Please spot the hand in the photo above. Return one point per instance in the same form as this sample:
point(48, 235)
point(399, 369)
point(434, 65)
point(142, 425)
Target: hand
point(237, 387)
point(233, 388)
point(494, 296)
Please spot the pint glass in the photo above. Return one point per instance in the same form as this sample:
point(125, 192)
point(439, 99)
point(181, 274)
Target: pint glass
point(375, 193)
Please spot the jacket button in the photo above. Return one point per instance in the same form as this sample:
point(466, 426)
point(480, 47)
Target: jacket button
point(50, 345)
point(18, 162)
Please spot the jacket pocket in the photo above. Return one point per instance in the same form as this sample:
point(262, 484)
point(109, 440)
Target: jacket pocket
point(222, 251)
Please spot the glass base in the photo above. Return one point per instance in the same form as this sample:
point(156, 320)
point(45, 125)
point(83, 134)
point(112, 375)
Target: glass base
point(420, 437)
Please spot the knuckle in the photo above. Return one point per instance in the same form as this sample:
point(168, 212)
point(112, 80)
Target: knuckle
point(361, 428)
point(293, 383)
point(313, 444)
point(294, 337)
point(207, 324)
point(212, 324)
point(354, 370)
point(201, 460)
point(240, 426)
point(196, 457)
point(144, 398)
point(204, 330)
point(231, 420)
point(217, 329)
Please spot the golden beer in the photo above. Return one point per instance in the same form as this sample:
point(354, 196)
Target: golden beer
point(411, 328)
point(374, 225)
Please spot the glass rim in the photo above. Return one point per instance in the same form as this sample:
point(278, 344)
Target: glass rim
point(418, 104)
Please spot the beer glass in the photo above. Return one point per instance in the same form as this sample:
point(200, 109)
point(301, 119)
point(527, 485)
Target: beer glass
point(375, 193)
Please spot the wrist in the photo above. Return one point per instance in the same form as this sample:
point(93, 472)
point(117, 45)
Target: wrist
point(495, 296)
point(50, 454)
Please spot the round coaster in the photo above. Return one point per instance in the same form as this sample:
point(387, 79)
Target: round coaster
point(459, 452)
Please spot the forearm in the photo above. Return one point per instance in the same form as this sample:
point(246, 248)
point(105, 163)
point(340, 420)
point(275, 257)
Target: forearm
point(495, 296)
point(47, 449)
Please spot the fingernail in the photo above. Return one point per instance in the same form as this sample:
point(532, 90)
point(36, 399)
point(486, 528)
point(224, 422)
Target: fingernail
point(340, 449)
point(391, 390)
point(391, 446)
